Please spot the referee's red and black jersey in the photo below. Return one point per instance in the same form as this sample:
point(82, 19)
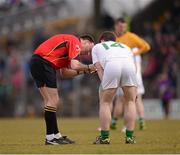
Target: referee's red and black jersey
point(59, 50)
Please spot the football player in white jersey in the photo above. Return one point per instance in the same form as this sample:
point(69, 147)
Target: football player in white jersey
point(116, 68)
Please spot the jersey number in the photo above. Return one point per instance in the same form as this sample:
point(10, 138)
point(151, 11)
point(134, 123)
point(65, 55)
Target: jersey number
point(112, 45)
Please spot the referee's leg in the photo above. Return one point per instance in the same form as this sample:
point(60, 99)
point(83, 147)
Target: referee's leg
point(51, 102)
point(46, 83)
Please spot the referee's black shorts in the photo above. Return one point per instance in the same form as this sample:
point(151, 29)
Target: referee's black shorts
point(42, 72)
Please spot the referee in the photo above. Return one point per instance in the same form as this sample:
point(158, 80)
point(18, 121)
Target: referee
point(60, 52)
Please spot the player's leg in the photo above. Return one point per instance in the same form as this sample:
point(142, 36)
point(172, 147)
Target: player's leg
point(105, 115)
point(129, 86)
point(140, 111)
point(105, 108)
point(130, 111)
point(100, 96)
point(141, 91)
point(118, 110)
point(109, 85)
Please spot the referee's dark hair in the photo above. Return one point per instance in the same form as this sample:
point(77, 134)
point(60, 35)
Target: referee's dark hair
point(107, 36)
point(87, 37)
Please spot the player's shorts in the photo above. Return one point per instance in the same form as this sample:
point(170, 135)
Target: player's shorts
point(119, 72)
point(140, 86)
point(42, 72)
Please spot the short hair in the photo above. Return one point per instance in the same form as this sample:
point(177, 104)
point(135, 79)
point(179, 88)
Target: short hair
point(121, 20)
point(87, 37)
point(107, 36)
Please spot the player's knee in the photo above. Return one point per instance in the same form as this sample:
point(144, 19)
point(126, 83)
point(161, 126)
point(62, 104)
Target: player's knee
point(107, 95)
point(105, 104)
point(130, 99)
point(107, 99)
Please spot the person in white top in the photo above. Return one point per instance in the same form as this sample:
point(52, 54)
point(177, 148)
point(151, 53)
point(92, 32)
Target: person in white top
point(115, 68)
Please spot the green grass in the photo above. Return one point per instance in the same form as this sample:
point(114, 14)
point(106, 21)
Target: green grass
point(27, 136)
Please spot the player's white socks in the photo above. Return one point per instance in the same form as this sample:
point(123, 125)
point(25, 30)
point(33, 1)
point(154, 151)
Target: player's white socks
point(50, 137)
point(57, 136)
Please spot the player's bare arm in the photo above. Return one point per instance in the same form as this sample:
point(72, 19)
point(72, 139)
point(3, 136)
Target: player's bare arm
point(100, 70)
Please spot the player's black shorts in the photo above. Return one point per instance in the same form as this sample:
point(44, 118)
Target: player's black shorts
point(42, 72)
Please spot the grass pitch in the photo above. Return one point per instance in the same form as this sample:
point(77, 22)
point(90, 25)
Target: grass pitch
point(27, 136)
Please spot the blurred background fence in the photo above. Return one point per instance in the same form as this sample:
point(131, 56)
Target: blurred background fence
point(27, 23)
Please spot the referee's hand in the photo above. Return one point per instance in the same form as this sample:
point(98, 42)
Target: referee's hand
point(92, 68)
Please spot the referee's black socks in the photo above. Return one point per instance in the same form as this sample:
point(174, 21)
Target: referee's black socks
point(51, 120)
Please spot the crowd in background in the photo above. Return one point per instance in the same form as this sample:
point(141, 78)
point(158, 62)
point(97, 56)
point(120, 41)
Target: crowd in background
point(161, 65)
point(19, 96)
point(8, 7)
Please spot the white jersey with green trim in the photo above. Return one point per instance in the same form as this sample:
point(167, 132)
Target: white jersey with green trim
point(110, 51)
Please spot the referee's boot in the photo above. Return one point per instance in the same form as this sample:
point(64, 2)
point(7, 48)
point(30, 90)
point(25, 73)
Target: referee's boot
point(60, 141)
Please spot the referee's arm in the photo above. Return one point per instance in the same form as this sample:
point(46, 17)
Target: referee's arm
point(76, 65)
point(69, 73)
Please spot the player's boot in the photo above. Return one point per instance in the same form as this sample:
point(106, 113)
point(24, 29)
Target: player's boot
point(55, 141)
point(99, 140)
point(113, 126)
point(130, 140)
point(142, 125)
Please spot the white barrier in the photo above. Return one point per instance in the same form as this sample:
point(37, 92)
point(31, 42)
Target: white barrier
point(153, 109)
